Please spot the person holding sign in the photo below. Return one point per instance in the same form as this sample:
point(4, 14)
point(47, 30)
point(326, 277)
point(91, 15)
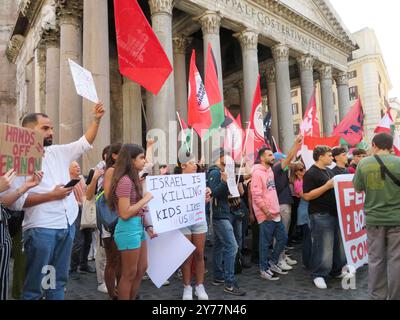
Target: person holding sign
point(378, 177)
point(196, 233)
point(225, 247)
point(51, 210)
point(328, 256)
point(126, 197)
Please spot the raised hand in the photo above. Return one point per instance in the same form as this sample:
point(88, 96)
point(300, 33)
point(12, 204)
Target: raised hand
point(34, 180)
point(7, 180)
point(99, 111)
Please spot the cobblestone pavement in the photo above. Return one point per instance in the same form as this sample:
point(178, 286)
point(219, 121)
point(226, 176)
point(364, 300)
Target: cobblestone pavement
point(297, 285)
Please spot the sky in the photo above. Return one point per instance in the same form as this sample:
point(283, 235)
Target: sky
point(384, 17)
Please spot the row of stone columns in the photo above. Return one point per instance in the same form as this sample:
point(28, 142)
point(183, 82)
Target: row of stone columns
point(73, 119)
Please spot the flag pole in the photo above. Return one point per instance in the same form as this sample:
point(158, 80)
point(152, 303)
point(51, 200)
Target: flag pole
point(191, 140)
point(144, 114)
point(243, 154)
point(180, 124)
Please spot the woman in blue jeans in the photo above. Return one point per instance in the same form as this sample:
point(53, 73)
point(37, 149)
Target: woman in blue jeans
point(127, 199)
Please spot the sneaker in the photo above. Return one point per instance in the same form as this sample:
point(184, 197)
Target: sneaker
point(218, 282)
point(200, 292)
point(187, 293)
point(276, 269)
point(87, 269)
point(284, 266)
point(290, 262)
point(74, 275)
point(268, 275)
point(166, 283)
point(102, 288)
point(320, 283)
point(234, 290)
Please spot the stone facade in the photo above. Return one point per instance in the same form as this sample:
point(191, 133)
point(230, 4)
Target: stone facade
point(287, 42)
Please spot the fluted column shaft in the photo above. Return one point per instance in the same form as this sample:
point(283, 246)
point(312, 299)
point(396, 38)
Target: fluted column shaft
point(305, 64)
point(280, 53)
point(248, 41)
point(342, 83)
point(328, 110)
point(272, 100)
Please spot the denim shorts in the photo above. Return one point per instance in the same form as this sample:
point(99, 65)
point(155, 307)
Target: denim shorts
point(198, 228)
point(129, 234)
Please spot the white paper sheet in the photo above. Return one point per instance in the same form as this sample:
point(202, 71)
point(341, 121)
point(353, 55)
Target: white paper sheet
point(84, 83)
point(166, 254)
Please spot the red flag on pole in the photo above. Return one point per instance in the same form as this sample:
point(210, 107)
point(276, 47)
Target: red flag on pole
point(140, 55)
point(256, 118)
point(310, 123)
point(351, 128)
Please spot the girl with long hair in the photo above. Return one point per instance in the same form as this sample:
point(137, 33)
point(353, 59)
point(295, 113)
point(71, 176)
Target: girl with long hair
point(127, 198)
point(197, 235)
point(112, 271)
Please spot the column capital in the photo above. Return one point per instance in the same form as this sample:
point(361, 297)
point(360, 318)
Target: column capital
point(69, 11)
point(180, 44)
point(280, 52)
point(161, 6)
point(248, 39)
point(264, 102)
point(305, 62)
point(325, 72)
point(271, 74)
point(50, 30)
point(210, 22)
point(342, 79)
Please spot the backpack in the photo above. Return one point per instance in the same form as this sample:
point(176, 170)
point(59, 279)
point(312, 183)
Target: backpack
point(105, 216)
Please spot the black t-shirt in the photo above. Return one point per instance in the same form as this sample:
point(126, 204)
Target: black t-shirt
point(282, 184)
point(338, 171)
point(313, 179)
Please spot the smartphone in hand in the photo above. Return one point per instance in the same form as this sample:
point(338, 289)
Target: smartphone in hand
point(72, 183)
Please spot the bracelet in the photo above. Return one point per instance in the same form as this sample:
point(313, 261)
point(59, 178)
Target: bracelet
point(149, 226)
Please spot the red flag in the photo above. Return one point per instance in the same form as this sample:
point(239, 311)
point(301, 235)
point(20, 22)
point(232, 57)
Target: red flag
point(386, 124)
point(234, 137)
point(309, 144)
point(310, 124)
point(256, 118)
point(140, 55)
point(199, 115)
point(351, 128)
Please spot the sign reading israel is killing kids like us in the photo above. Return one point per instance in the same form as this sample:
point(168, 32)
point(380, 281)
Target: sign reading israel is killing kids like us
point(178, 200)
point(350, 205)
point(21, 149)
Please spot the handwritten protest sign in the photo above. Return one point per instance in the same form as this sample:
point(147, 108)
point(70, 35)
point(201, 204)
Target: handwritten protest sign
point(179, 200)
point(83, 80)
point(166, 254)
point(350, 207)
point(21, 149)
point(230, 171)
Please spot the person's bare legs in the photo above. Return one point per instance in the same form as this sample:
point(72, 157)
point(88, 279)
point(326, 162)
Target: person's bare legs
point(112, 269)
point(187, 267)
point(129, 267)
point(199, 241)
point(141, 270)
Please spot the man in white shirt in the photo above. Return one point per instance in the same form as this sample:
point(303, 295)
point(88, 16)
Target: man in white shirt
point(50, 211)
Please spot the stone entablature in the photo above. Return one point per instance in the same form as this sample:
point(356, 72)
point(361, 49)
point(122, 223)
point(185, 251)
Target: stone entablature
point(277, 23)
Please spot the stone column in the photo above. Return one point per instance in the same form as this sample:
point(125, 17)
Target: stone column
point(342, 83)
point(96, 59)
point(51, 41)
point(132, 112)
point(40, 78)
point(272, 100)
point(162, 107)
point(328, 110)
point(210, 24)
point(305, 64)
point(70, 105)
point(280, 53)
point(180, 44)
point(248, 41)
point(239, 86)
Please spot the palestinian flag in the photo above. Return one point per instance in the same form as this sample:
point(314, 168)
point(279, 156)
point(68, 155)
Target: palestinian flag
point(185, 135)
point(205, 107)
point(386, 124)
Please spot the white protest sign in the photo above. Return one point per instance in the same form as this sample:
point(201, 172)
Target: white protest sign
point(350, 207)
point(166, 253)
point(84, 83)
point(178, 200)
point(230, 171)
